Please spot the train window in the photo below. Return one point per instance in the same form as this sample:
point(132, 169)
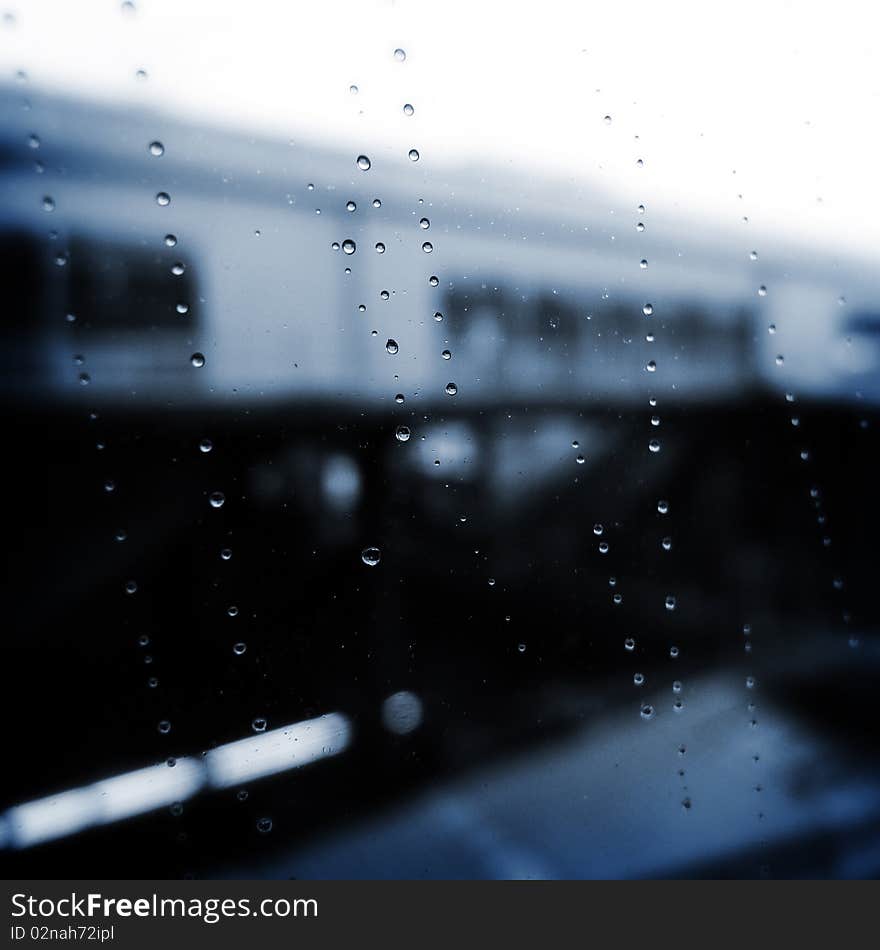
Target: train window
point(118, 288)
point(20, 272)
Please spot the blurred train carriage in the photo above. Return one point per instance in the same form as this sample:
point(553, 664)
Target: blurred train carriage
point(513, 331)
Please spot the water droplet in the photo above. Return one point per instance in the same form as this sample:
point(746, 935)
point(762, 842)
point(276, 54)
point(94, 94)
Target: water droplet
point(424, 224)
point(673, 652)
point(643, 264)
point(402, 433)
point(607, 120)
point(666, 544)
point(376, 202)
point(239, 648)
point(350, 206)
point(164, 727)
point(753, 255)
point(197, 360)
point(348, 246)
point(157, 149)
point(259, 724)
point(163, 198)
point(451, 389)
point(662, 506)
point(427, 247)
point(597, 529)
point(48, 203)
point(780, 359)
point(182, 308)
point(400, 55)
point(380, 247)
point(232, 611)
point(206, 445)
point(446, 355)
point(413, 155)
point(178, 268)
point(521, 647)
point(371, 556)
point(170, 240)
point(670, 603)
point(603, 547)
point(433, 280)
point(399, 398)
point(391, 347)
point(651, 366)
point(648, 309)
point(226, 554)
point(638, 678)
point(363, 163)
point(654, 446)
point(762, 291)
point(647, 711)
point(131, 587)
point(353, 89)
point(629, 644)
point(217, 499)
point(750, 682)
point(264, 825)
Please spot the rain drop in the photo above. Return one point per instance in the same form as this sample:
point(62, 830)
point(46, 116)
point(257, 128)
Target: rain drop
point(371, 556)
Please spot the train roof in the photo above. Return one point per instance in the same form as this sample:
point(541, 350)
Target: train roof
point(80, 139)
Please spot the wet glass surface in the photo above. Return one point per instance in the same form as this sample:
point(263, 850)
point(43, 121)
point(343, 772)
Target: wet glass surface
point(376, 511)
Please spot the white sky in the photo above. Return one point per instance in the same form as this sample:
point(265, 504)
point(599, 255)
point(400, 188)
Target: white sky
point(786, 93)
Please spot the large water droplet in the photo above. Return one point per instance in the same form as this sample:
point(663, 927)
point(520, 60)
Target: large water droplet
point(371, 556)
point(363, 162)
